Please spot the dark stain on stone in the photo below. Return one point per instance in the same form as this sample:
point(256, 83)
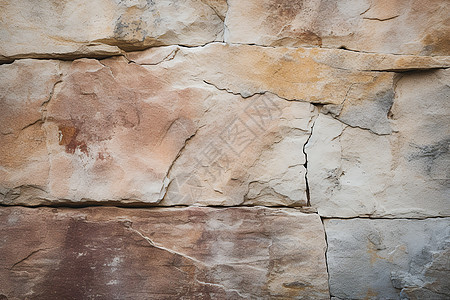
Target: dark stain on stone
point(103, 155)
point(82, 259)
point(436, 43)
point(295, 285)
point(110, 260)
point(125, 30)
point(309, 37)
point(430, 154)
point(384, 100)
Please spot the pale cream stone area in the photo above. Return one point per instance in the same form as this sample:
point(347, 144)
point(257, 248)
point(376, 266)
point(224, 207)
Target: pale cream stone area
point(25, 89)
point(358, 88)
point(117, 132)
point(253, 154)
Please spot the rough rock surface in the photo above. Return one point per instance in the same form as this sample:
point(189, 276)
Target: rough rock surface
point(332, 110)
point(178, 253)
point(419, 27)
point(99, 28)
point(400, 175)
point(113, 131)
point(389, 259)
point(358, 88)
point(146, 129)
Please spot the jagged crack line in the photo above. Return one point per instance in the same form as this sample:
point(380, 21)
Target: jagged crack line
point(166, 181)
point(326, 253)
point(308, 196)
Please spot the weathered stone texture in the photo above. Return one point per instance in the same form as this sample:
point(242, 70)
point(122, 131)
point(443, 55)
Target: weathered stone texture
point(349, 83)
point(178, 253)
point(419, 27)
point(353, 172)
point(112, 130)
point(115, 130)
point(25, 88)
point(99, 28)
point(335, 109)
point(389, 259)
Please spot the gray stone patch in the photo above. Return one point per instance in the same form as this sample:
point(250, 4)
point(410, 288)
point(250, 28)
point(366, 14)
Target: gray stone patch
point(389, 259)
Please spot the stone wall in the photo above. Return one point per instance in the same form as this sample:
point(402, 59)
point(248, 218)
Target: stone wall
point(213, 149)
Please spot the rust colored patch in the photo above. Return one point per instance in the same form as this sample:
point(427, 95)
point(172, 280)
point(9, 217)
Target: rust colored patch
point(68, 138)
point(103, 155)
point(436, 43)
point(373, 252)
point(370, 294)
point(310, 38)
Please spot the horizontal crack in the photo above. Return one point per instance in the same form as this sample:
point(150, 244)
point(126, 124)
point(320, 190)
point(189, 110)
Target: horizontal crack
point(384, 218)
point(381, 19)
point(74, 205)
point(73, 56)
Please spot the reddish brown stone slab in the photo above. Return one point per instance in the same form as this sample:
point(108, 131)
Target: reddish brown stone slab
point(161, 253)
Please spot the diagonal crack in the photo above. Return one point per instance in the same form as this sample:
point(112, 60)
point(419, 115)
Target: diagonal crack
point(27, 257)
point(168, 57)
point(166, 181)
point(128, 224)
point(230, 91)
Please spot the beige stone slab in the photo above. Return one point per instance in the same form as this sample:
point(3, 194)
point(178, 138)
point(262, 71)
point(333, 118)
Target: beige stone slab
point(25, 88)
point(216, 123)
point(252, 154)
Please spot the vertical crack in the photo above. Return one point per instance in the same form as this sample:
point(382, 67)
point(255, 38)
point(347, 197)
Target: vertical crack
point(308, 197)
point(44, 117)
point(326, 254)
point(167, 180)
point(225, 27)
